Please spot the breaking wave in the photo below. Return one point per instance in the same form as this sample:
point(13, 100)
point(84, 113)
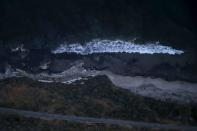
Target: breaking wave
point(115, 46)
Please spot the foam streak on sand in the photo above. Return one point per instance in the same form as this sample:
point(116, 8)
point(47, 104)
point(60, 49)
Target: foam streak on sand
point(115, 46)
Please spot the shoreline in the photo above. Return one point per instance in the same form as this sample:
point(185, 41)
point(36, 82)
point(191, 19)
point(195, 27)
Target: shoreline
point(157, 88)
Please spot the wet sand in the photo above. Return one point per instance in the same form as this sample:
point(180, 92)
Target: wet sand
point(155, 87)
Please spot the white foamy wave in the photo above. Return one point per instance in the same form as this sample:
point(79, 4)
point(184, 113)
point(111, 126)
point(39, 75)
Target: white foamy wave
point(115, 46)
point(19, 48)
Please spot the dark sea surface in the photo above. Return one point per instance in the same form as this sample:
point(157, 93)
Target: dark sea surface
point(45, 24)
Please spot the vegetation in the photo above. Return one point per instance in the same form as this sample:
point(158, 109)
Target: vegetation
point(96, 97)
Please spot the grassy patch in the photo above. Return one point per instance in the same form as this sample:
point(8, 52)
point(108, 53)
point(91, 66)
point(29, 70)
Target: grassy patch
point(97, 97)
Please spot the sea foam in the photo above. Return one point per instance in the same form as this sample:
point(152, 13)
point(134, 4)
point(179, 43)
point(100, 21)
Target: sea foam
point(115, 46)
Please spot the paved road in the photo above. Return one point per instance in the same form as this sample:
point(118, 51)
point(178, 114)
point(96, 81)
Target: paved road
point(47, 116)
